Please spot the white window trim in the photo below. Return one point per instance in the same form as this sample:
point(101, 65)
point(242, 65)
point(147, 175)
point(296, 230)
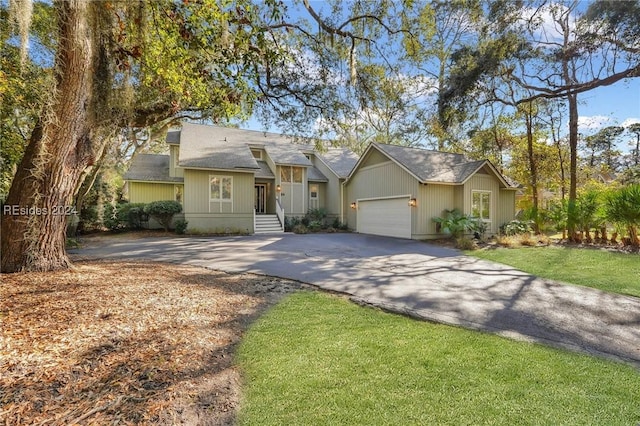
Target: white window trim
point(480, 191)
point(220, 200)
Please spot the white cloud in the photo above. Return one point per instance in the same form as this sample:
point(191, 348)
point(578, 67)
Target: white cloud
point(629, 121)
point(594, 122)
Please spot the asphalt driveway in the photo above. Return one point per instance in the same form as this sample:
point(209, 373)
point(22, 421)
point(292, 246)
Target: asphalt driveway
point(415, 278)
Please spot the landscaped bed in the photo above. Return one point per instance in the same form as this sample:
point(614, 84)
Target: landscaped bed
point(126, 343)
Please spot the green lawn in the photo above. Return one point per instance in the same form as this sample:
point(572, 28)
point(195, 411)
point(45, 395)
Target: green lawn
point(316, 359)
point(608, 271)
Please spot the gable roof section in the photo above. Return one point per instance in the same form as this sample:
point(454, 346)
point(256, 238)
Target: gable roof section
point(150, 167)
point(173, 137)
point(433, 166)
point(339, 160)
point(209, 147)
point(286, 154)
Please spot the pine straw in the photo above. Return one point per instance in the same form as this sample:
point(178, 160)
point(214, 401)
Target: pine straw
point(125, 343)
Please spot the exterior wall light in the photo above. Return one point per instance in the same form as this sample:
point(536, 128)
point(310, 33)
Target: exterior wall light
point(278, 188)
point(353, 205)
point(413, 202)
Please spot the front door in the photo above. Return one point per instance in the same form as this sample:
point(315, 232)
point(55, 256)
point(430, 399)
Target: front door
point(260, 198)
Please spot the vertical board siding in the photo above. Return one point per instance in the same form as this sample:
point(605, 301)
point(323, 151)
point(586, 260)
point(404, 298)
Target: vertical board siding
point(382, 180)
point(433, 200)
point(197, 192)
point(330, 194)
point(144, 192)
point(506, 207)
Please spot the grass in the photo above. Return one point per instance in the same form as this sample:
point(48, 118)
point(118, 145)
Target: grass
point(318, 359)
point(604, 270)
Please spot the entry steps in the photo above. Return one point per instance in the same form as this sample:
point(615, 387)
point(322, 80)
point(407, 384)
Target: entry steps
point(268, 224)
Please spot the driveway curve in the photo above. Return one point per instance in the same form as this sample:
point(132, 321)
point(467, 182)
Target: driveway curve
point(418, 279)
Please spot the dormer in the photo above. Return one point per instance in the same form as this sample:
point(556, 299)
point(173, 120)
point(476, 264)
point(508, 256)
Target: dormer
point(173, 140)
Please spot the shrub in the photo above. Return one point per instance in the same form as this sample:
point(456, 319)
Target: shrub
point(465, 243)
point(163, 211)
point(455, 223)
point(315, 226)
point(317, 215)
point(300, 229)
point(181, 226)
point(623, 209)
point(290, 223)
point(124, 216)
point(516, 227)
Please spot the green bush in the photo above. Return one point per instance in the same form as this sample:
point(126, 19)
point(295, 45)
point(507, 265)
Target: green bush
point(454, 223)
point(290, 223)
point(300, 229)
point(516, 227)
point(124, 216)
point(163, 211)
point(623, 209)
point(181, 226)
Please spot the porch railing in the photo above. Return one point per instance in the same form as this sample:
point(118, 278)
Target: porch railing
point(280, 213)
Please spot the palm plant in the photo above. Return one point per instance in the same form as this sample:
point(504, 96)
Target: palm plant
point(455, 223)
point(623, 207)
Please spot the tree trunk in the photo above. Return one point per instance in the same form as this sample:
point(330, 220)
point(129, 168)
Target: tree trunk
point(33, 235)
point(532, 166)
point(573, 166)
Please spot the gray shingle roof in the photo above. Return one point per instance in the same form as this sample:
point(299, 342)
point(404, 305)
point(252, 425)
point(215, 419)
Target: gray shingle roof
point(151, 167)
point(209, 147)
point(265, 171)
point(286, 154)
point(173, 137)
point(316, 175)
point(433, 166)
point(340, 160)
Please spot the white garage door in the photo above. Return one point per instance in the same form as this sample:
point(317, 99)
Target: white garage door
point(390, 217)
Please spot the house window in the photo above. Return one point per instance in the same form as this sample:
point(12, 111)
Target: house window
point(285, 174)
point(297, 174)
point(481, 204)
point(290, 174)
point(221, 188)
point(313, 192)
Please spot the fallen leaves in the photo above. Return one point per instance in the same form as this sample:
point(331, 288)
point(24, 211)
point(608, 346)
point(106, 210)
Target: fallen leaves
point(126, 343)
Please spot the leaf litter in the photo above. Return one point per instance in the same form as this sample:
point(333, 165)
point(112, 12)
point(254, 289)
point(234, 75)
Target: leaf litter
point(126, 343)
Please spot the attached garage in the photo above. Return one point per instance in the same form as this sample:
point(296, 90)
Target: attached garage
point(389, 217)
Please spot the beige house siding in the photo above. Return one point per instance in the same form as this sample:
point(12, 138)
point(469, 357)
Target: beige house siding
point(430, 204)
point(206, 215)
point(330, 191)
point(174, 170)
point(506, 207)
point(385, 179)
point(144, 192)
point(374, 157)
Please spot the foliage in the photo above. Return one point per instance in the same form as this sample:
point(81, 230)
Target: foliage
point(125, 216)
point(516, 227)
point(181, 226)
point(608, 271)
point(556, 214)
point(316, 359)
point(300, 229)
point(317, 215)
point(623, 207)
point(465, 243)
point(454, 223)
point(290, 222)
point(163, 211)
